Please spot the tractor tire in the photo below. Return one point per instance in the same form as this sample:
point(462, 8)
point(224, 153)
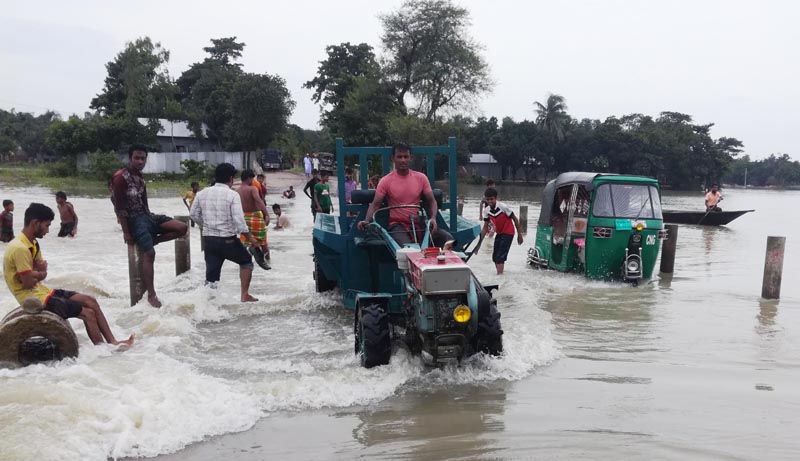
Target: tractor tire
point(321, 283)
point(373, 343)
point(29, 338)
point(489, 337)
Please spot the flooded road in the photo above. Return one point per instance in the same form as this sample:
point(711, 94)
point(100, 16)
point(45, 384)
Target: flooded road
point(693, 365)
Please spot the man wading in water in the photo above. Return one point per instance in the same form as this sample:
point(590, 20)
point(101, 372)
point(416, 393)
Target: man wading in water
point(139, 225)
point(256, 217)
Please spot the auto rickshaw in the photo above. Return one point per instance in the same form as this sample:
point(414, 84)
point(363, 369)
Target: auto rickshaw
point(605, 226)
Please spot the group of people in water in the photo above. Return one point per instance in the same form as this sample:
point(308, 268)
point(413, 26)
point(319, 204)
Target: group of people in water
point(229, 219)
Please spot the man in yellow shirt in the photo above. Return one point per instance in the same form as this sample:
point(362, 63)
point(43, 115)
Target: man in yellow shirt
point(24, 269)
point(189, 196)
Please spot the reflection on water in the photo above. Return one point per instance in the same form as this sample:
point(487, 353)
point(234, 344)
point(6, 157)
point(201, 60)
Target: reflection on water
point(456, 423)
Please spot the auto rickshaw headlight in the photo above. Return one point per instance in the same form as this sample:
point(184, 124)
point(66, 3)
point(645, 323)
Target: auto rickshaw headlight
point(462, 314)
point(633, 265)
point(639, 227)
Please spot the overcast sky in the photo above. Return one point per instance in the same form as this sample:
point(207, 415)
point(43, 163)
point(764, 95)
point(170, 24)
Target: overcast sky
point(732, 63)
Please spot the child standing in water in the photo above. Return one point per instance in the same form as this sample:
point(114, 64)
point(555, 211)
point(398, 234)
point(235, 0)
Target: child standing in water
point(7, 221)
point(322, 194)
point(69, 220)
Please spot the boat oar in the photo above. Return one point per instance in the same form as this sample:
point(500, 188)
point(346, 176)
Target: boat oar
point(704, 216)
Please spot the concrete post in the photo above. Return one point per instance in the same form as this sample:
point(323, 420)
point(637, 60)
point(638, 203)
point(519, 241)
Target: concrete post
point(135, 273)
point(773, 268)
point(668, 249)
point(523, 219)
point(461, 206)
point(183, 257)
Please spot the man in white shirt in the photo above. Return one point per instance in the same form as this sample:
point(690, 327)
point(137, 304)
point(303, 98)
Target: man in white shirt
point(218, 210)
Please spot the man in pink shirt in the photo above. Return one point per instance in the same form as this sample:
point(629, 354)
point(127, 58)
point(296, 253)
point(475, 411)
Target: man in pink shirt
point(713, 197)
point(404, 186)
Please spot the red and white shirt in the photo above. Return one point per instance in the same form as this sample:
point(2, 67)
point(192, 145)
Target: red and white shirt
point(500, 216)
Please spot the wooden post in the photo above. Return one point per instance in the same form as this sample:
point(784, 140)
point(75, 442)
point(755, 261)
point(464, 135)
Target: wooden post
point(773, 268)
point(183, 257)
point(523, 219)
point(135, 273)
point(668, 249)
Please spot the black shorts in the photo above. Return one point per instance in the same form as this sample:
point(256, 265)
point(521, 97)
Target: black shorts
point(502, 243)
point(59, 303)
point(66, 229)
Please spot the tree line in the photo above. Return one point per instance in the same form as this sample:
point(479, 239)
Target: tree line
point(428, 73)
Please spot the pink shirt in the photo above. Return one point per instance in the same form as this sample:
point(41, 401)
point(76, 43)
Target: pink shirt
point(712, 199)
point(403, 190)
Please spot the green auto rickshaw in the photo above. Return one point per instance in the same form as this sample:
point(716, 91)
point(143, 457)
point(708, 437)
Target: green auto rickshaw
point(605, 226)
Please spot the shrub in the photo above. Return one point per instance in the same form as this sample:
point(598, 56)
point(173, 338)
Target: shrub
point(63, 168)
point(200, 171)
point(103, 165)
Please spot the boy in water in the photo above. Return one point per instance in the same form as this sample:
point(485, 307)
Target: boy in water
point(504, 222)
point(25, 268)
point(69, 220)
point(289, 193)
point(7, 221)
point(322, 194)
point(281, 220)
point(189, 196)
point(310, 187)
point(489, 185)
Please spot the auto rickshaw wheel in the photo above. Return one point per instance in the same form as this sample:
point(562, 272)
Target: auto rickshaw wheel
point(372, 336)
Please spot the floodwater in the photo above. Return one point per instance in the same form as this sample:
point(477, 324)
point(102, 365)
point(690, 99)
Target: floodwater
point(694, 365)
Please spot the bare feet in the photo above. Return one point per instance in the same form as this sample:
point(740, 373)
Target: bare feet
point(248, 299)
point(154, 301)
point(124, 345)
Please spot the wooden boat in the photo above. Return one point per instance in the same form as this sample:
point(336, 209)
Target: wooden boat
point(713, 218)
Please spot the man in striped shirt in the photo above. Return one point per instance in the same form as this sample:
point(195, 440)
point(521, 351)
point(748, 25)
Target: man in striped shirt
point(218, 210)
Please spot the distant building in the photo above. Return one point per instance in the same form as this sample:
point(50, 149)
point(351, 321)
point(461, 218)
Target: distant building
point(484, 165)
point(178, 137)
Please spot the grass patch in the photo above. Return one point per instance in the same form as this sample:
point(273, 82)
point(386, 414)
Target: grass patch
point(30, 175)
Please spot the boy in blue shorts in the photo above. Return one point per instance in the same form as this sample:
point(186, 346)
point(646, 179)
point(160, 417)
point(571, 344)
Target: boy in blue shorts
point(504, 221)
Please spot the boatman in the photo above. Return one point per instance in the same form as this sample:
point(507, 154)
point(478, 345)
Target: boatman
point(713, 197)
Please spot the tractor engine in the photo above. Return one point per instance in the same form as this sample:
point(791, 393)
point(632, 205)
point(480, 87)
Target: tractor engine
point(443, 320)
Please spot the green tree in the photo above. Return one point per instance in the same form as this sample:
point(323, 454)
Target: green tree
point(260, 107)
point(552, 116)
point(431, 57)
point(138, 82)
point(72, 136)
point(339, 73)
point(205, 89)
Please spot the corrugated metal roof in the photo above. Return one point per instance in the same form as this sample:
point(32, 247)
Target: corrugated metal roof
point(173, 129)
point(481, 158)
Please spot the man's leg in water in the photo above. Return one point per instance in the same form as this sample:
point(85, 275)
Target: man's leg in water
point(90, 303)
point(148, 258)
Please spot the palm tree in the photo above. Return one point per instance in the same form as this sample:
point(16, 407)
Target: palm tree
point(552, 117)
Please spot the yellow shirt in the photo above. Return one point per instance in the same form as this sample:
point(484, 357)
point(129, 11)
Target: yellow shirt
point(189, 197)
point(18, 259)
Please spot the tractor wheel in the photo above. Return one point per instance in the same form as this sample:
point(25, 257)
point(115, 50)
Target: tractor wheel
point(321, 283)
point(372, 336)
point(489, 338)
